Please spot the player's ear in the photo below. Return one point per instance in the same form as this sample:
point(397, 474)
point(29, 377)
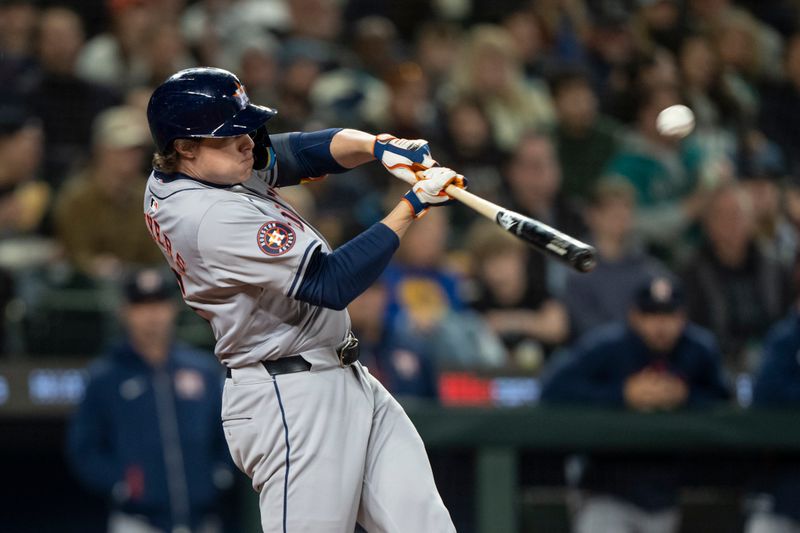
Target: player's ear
point(186, 148)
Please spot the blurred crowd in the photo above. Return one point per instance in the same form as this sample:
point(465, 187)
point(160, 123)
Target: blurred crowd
point(548, 107)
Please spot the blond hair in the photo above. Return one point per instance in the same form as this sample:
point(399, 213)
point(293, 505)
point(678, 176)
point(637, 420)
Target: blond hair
point(169, 161)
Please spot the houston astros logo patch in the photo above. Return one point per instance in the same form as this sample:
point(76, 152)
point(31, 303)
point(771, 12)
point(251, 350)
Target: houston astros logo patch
point(275, 238)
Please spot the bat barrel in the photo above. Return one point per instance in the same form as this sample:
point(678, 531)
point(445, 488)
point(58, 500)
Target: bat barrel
point(550, 241)
point(547, 240)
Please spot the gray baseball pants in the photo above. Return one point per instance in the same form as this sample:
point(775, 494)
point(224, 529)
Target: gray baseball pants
point(328, 447)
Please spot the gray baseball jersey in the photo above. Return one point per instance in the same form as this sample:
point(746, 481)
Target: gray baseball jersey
point(324, 448)
point(239, 253)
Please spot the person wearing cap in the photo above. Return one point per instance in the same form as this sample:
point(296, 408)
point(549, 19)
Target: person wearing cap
point(655, 361)
point(96, 216)
point(146, 434)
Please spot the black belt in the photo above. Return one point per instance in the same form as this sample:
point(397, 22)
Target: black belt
point(284, 365)
point(347, 352)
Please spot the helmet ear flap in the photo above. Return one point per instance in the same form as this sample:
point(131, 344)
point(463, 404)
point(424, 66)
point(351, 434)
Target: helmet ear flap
point(263, 155)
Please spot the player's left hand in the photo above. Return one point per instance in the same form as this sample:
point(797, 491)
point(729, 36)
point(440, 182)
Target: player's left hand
point(429, 190)
point(403, 157)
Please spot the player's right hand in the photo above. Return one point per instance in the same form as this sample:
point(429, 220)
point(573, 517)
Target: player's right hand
point(403, 157)
point(429, 190)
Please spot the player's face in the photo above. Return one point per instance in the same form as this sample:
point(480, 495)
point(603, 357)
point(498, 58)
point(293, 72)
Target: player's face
point(224, 160)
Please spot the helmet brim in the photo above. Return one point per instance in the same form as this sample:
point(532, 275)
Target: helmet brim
point(248, 119)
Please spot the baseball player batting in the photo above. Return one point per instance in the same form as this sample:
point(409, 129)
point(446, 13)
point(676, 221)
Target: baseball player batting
point(324, 443)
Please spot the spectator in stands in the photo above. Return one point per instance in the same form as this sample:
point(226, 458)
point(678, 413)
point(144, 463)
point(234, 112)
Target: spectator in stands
point(565, 28)
point(425, 301)
point(18, 20)
point(779, 116)
point(117, 58)
point(17, 27)
point(742, 59)
point(528, 32)
point(147, 432)
point(664, 171)
point(469, 146)
point(376, 44)
point(761, 167)
point(735, 287)
point(66, 104)
point(411, 112)
point(658, 24)
point(489, 69)
point(165, 52)
point(713, 16)
point(24, 199)
point(437, 47)
point(356, 93)
point(656, 361)
point(603, 295)
point(302, 63)
point(534, 183)
point(403, 364)
point(586, 140)
point(776, 502)
point(642, 73)
point(216, 29)
point(611, 49)
point(529, 322)
point(255, 56)
point(319, 20)
point(98, 214)
point(791, 230)
point(719, 109)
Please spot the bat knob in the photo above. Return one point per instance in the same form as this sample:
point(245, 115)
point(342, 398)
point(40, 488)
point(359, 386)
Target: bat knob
point(585, 260)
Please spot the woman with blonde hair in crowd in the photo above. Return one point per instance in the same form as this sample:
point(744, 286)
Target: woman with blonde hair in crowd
point(489, 69)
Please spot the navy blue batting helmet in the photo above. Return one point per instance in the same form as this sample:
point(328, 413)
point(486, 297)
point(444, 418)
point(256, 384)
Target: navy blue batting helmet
point(202, 102)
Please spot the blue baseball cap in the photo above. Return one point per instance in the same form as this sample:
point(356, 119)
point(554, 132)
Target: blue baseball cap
point(148, 285)
point(658, 294)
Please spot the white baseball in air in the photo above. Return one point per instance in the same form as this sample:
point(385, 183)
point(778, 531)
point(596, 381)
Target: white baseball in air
point(675, 121)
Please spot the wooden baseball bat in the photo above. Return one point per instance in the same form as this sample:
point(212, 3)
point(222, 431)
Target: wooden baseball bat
point(542, 237)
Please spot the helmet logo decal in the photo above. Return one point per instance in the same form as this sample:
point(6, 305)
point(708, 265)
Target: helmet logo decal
point(241, 96)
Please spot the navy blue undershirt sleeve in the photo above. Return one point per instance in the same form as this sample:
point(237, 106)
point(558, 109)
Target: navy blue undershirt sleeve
point(304, 155)
point(335, 279)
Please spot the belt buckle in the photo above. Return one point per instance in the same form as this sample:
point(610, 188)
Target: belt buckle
point(348, 351)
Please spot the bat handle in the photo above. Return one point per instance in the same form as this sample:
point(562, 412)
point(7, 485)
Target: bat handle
point(484, 207)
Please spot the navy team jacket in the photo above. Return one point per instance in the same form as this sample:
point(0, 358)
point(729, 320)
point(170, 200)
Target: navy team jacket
point(777, 386)
point(593, 374)
point(151, 439)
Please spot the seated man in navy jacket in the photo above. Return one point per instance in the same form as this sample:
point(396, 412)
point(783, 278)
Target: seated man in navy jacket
point(776, 506)
point(654, 362)
point(147, 433)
